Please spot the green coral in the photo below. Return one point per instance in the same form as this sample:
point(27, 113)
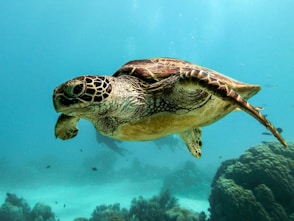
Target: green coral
point(109, 213)
point(257, 186)
point(17, 209)
point(153, 209)
point(162, 207)
point(80, 219)
point(14, 209)
point(42, 212)
point(181, 214)
point(9, 212)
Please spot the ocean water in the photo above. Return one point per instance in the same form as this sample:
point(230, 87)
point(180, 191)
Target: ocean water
point(45, 43)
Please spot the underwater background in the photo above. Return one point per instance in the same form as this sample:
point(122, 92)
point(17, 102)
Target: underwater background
point(45, 43)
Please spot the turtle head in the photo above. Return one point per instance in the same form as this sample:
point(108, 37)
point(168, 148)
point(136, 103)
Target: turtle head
point(81, 94)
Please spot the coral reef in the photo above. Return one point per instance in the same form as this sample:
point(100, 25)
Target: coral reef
point(110, 212)
point(257, 186)
point(17, 209)
point(188, 181)
point(180, 214)
point(14, 209)
point(153, 209)
point(42, 212)
point(163, 207)
point(80, 219)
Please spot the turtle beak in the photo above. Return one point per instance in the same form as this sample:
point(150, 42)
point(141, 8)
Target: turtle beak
point(67, 100)
point(60, 102)
point(56, 99)
point(66, 105)
point(56, 103)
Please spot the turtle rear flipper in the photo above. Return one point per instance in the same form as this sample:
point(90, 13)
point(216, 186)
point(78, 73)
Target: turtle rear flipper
point(192, 139)
point(223, 91)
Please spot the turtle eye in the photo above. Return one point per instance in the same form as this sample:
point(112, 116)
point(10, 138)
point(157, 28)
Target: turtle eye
point(74, 88)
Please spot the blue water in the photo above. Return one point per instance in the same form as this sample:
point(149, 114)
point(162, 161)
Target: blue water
point(44, 43)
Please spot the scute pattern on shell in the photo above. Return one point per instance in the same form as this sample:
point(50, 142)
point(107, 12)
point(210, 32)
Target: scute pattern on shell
point(155, 69)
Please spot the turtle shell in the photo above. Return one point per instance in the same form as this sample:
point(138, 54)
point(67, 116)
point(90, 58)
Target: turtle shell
point(155, 69)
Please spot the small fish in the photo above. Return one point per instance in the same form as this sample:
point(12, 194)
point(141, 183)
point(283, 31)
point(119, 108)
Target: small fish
point(266, 133)
point(56, 202)
point(280, 130)
point(81, 150)
point(94, 168)
point(64, 205)
point(48, 166)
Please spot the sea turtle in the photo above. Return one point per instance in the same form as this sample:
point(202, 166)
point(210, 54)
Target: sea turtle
point(151, 98)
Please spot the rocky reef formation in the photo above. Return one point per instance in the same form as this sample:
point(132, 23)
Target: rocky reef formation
point(153, 209)
point(163, 207)
point(110, 212)
point(42, 212)
point(17, 209)
point(257, 186)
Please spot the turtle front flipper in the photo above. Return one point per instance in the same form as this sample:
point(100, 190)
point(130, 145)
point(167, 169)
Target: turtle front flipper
point(220, 89)
point(192, 139)
point(66, 127)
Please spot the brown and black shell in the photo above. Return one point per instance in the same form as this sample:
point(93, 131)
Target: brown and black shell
point(155, 69)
